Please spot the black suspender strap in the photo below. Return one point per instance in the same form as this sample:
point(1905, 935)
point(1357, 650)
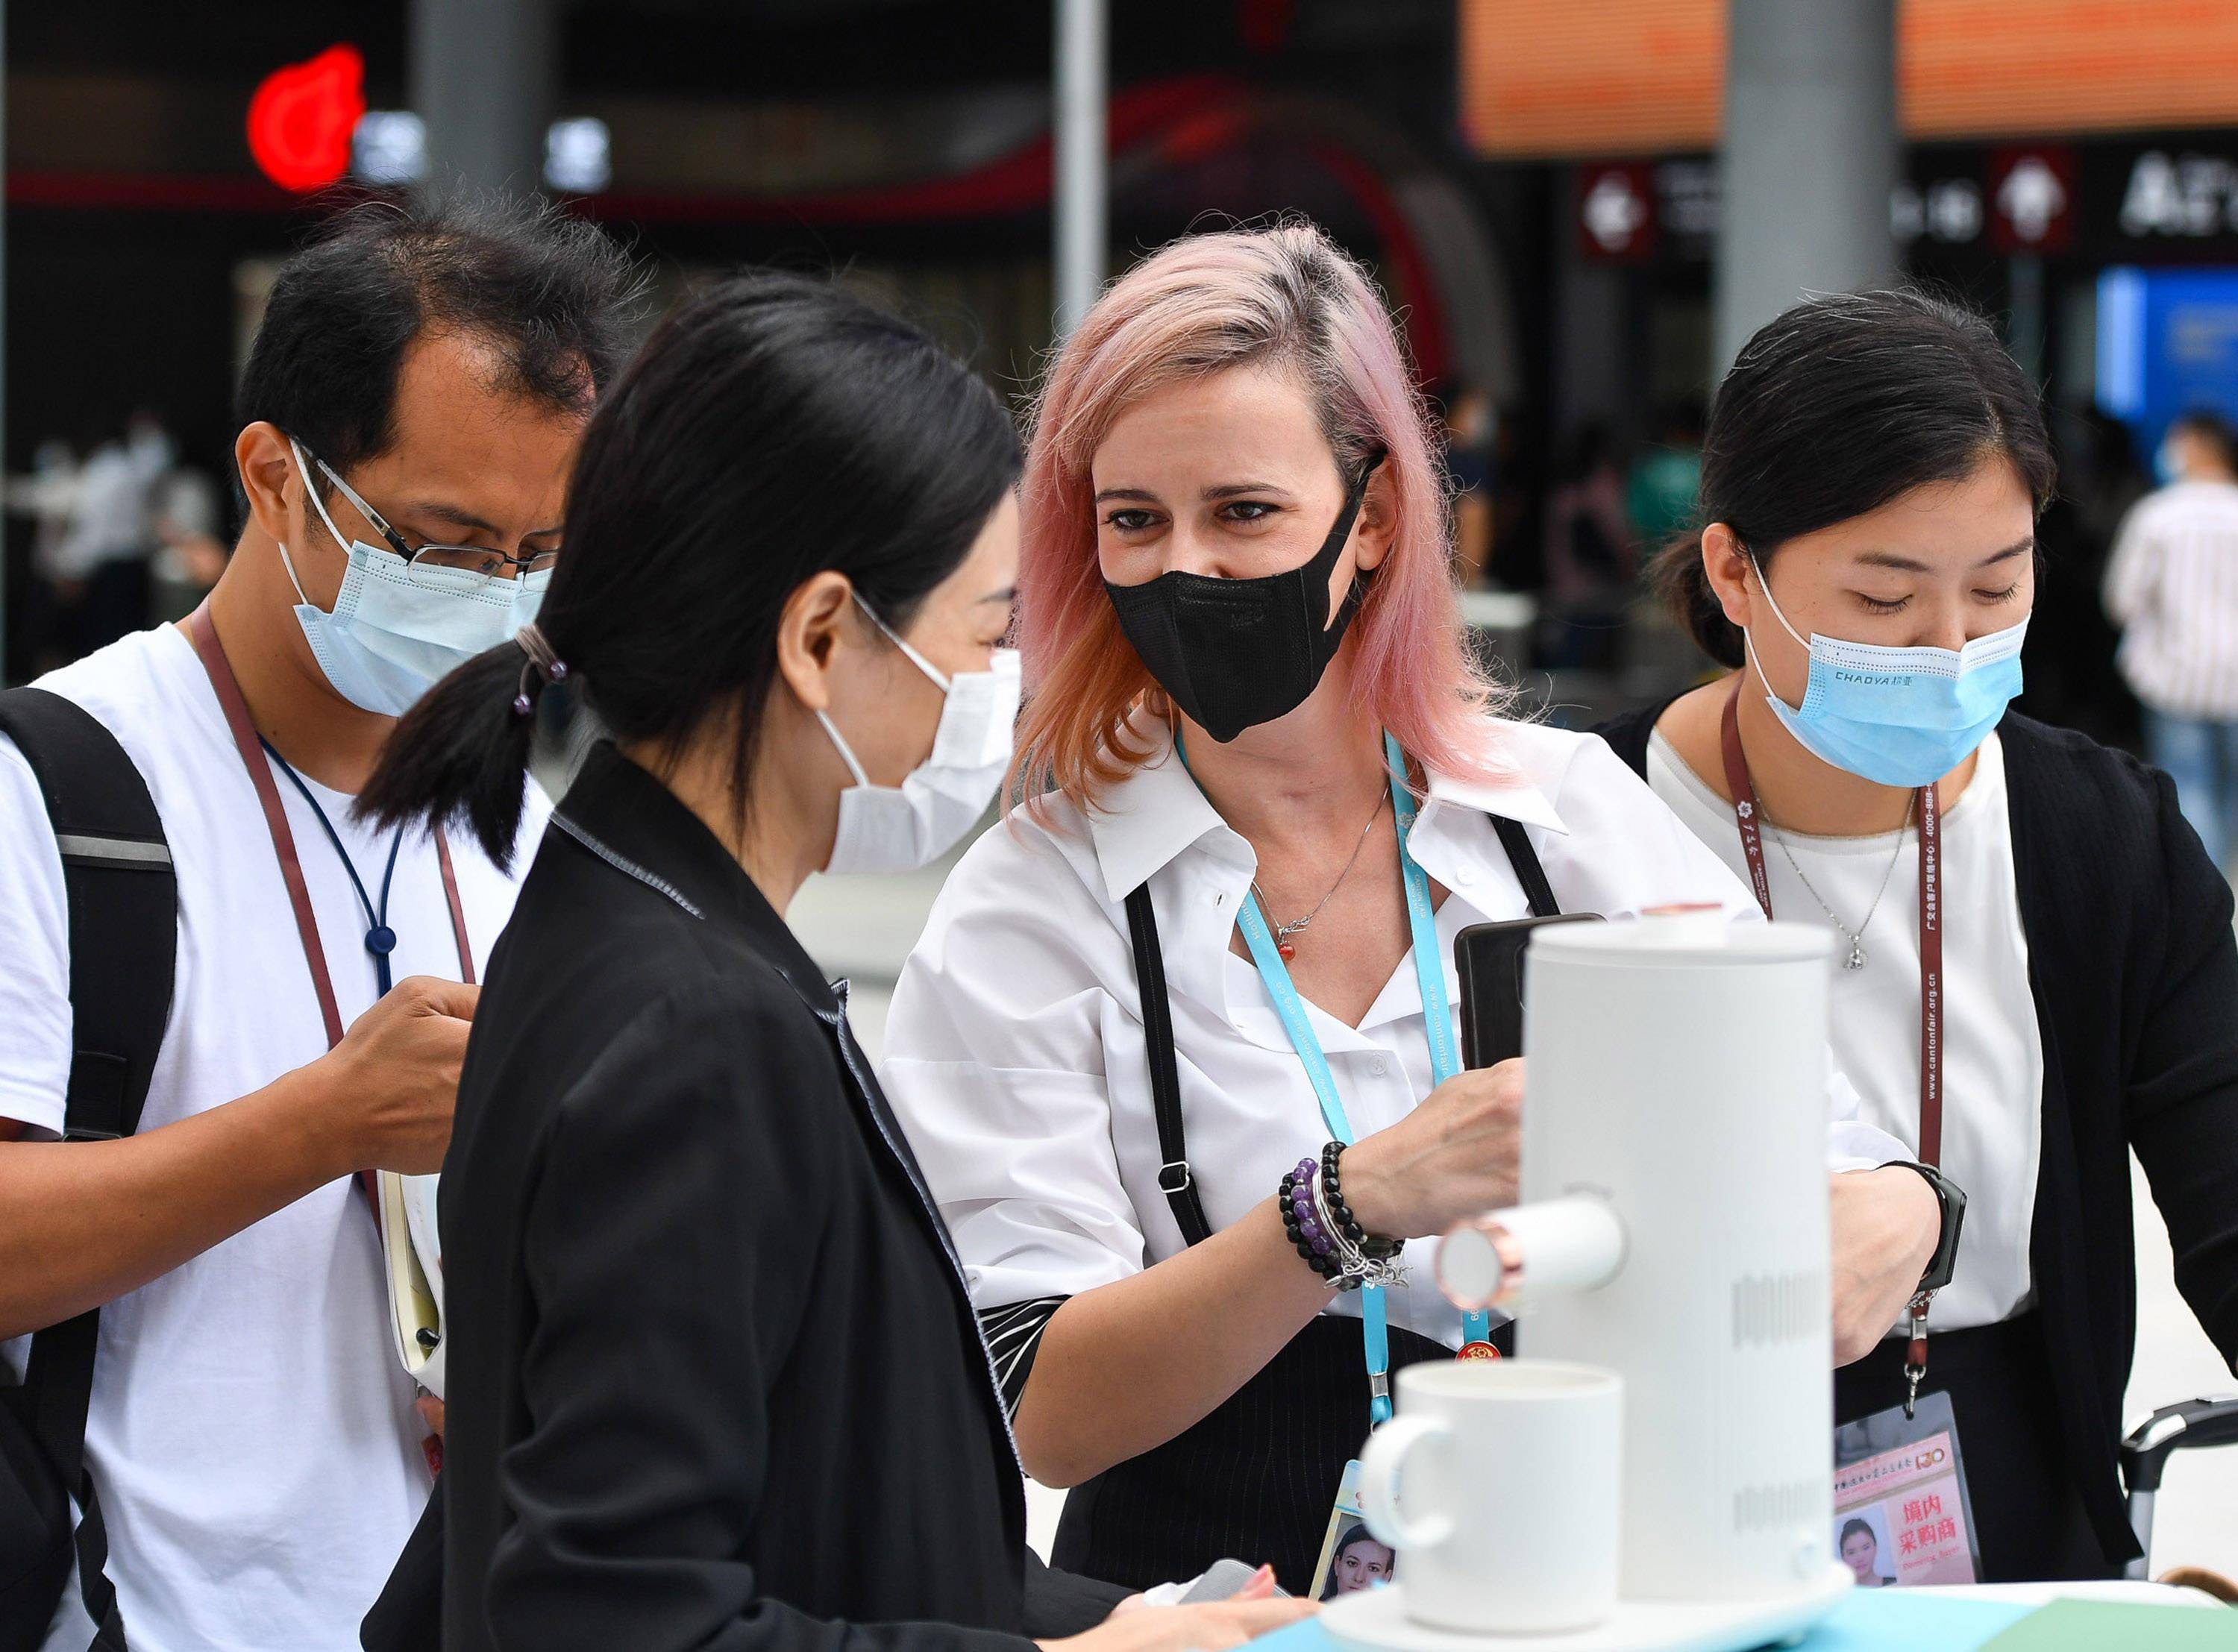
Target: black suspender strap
point(1175, 1180)
point(1524, 860)
point(122, 901)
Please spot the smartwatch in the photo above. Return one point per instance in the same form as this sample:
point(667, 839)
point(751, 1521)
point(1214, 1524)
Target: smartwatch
point(1952, 1199)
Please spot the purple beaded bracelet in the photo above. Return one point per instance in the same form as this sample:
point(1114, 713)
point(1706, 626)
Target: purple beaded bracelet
point(1314, 1245)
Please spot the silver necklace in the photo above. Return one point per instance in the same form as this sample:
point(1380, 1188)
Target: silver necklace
point(1857, 958)
point(1284, 931)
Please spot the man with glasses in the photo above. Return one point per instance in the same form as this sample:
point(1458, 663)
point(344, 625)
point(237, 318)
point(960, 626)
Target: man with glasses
point(254, 1450)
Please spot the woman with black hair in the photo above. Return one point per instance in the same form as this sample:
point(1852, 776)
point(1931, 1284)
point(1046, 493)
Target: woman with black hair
point(714, 1379)
point(2040, 971)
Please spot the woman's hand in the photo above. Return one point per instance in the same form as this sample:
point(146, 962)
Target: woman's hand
point(1213, 1626)
point(1885, 1223)
point(1260, 1586)
point(1453, 1157)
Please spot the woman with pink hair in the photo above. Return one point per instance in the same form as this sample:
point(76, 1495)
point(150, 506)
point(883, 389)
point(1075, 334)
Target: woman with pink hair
point(1176, 1051)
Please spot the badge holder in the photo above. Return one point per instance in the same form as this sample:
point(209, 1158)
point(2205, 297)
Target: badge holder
point(1352, 1560)
point(1902, 1512)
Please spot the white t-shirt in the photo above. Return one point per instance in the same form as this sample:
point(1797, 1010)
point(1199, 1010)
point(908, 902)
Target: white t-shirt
point(1992, 1047)
point(252, 1433)
point(1015, 1052)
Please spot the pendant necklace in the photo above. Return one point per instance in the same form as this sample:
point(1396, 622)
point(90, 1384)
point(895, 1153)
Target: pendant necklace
point(1857, 958)
point(1297, 926)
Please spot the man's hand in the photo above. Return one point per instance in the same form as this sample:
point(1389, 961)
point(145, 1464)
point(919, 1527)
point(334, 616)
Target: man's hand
point(386, 1093)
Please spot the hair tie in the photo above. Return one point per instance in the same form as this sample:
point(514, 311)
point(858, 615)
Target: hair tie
point(543, 661)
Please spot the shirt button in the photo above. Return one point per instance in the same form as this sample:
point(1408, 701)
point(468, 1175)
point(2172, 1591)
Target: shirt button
point(1378, 1067)
point(1465, 874)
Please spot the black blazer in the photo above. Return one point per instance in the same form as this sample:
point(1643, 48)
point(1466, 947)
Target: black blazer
point(2134, 973)
point(714, 1380)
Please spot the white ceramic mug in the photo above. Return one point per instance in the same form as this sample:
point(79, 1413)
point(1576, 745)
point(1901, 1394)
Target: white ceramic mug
point(1497, 1483)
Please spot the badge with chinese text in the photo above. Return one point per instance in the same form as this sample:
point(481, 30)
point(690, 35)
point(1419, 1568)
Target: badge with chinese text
point(1901, 1512)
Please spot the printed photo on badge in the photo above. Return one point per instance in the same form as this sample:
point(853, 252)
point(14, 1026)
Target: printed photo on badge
point(1352, 1556)
point(1901, 1513)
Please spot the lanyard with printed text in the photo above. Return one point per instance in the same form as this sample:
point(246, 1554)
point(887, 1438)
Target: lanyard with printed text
point(1748, 814)
point(1444, 1062)
point(203, 634)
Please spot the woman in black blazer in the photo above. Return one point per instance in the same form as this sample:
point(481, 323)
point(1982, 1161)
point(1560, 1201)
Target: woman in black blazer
point(1871, 480)
point(713, 1376)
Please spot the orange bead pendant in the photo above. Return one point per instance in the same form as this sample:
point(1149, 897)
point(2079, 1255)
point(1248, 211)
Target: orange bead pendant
point(1286, 950)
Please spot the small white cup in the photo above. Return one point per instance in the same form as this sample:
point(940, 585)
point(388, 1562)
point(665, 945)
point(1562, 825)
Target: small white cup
point(1498, 1482)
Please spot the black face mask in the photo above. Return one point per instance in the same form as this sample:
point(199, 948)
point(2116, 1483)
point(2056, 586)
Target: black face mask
point(1235, 653)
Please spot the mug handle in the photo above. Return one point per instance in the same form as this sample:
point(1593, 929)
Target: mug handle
point(1381, 1466)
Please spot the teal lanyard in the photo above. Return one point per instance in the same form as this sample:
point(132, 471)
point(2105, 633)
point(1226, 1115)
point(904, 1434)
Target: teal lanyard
point(1437, 1017)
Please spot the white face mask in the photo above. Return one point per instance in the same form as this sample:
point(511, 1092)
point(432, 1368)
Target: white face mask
point(899, 828)
point(393, 634)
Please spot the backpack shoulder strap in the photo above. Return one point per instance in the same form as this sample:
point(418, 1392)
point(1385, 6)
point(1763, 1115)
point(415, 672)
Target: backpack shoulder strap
point(1175, 1180)
point(123, 905)
point(123, 915)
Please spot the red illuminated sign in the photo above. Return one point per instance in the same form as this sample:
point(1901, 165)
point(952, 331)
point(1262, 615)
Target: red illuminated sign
point(2032, 198)
point(1616, 211)
point(301, 120)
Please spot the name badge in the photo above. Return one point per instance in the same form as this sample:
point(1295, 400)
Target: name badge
point(1351, 1557)
point(1902, 1516)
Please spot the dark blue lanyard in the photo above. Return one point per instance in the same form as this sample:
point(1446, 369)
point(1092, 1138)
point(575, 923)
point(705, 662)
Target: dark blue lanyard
point(380, 939)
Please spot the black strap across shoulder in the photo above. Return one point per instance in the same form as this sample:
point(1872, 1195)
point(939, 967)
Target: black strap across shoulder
point(1537, 891)
point(1175, 1180)
point(122, 901)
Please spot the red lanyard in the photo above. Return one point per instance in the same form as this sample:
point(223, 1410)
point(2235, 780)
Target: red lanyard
point(203, 636)
point(1748, 814)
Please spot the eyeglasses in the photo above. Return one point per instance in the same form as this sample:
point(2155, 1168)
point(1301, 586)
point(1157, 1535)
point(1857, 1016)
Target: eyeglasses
point(438, 565)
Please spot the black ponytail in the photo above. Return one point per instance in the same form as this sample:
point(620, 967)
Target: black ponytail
point(461, 753)
point(773, 427)
point(1833, 409)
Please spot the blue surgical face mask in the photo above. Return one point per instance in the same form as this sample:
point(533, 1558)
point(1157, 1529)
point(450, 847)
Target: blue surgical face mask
point(394, 633)
point(1900, 716)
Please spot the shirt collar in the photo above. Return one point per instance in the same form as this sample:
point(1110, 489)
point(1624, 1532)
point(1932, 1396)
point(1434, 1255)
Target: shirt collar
point(1513, 796)
point(1144, 823)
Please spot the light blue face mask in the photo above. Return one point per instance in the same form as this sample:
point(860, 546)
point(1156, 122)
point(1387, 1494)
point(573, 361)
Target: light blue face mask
point(1901, 716)
point(394, 633)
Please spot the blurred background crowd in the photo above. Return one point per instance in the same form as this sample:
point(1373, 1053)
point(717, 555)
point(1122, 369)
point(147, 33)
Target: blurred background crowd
point(1551, 192)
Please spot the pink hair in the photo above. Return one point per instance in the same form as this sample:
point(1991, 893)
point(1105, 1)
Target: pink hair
point(1286, 294)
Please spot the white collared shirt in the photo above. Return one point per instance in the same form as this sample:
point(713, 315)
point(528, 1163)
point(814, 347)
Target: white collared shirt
point(1014, 1052)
